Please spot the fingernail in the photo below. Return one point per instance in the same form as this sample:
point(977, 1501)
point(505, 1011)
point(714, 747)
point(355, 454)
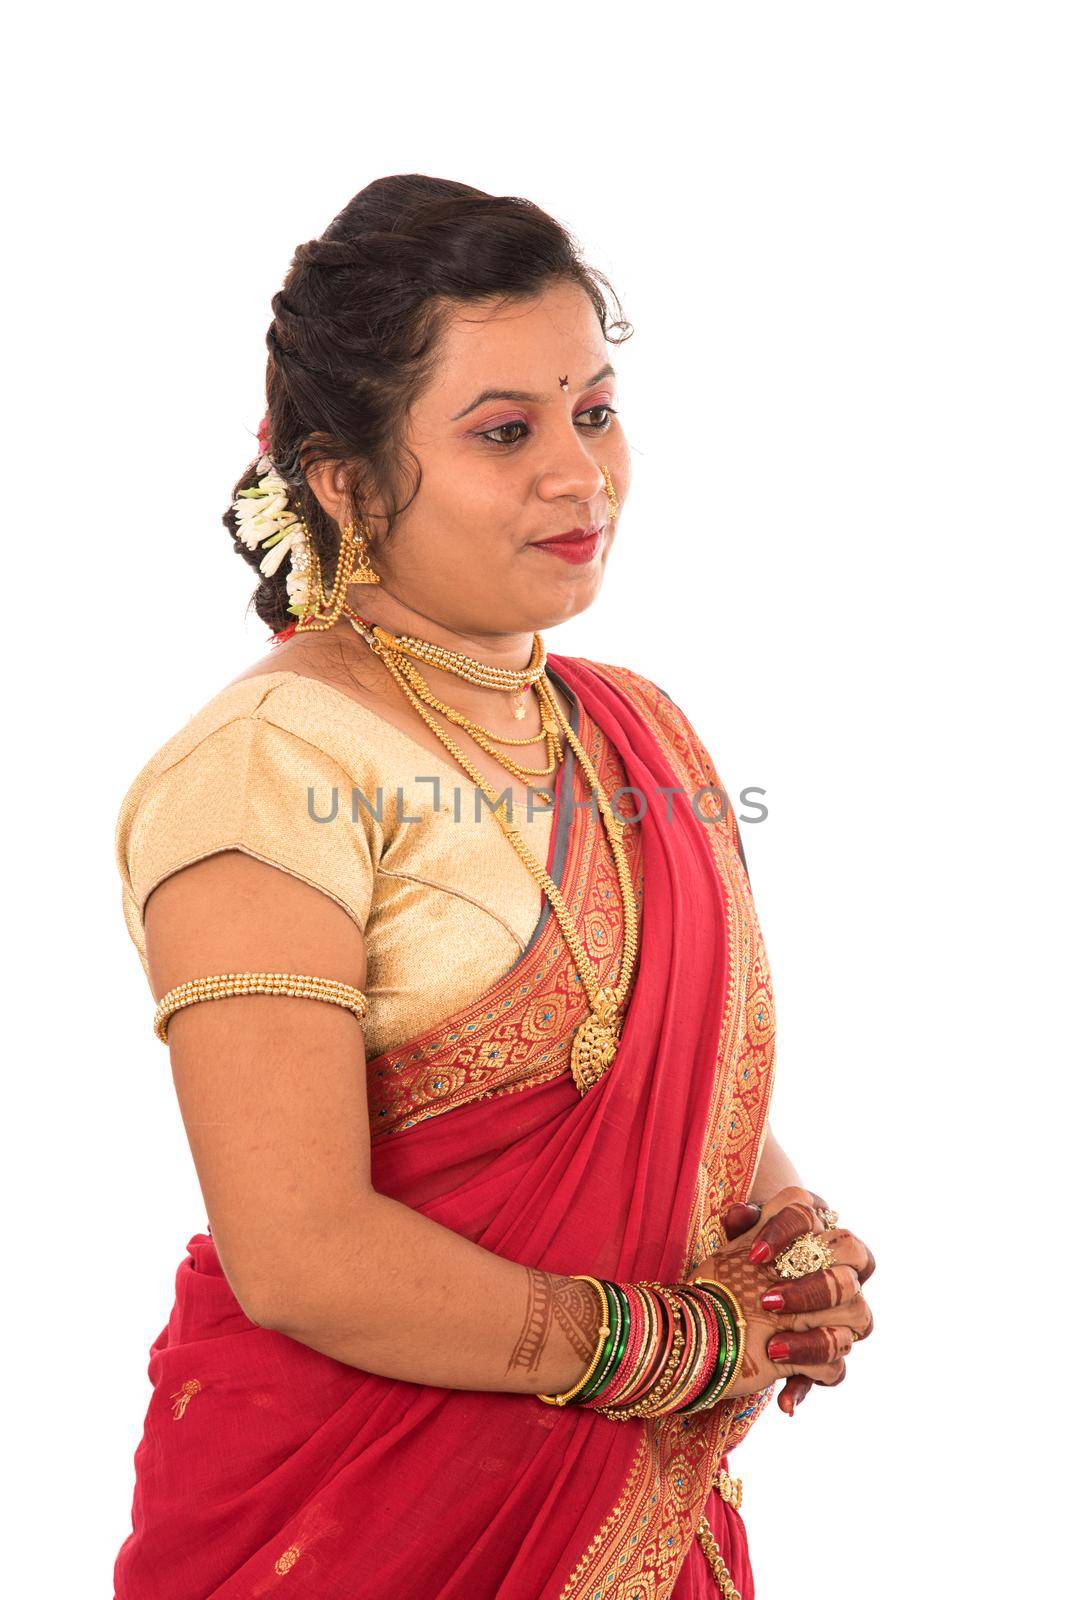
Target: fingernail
point(772, 1300)
point(778, 1350)
point(788, 1405)
point(761, 1251)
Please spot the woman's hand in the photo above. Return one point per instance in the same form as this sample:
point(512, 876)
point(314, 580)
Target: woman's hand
point(801, 1328)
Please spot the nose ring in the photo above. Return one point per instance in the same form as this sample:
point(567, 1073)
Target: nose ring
point(609, 489)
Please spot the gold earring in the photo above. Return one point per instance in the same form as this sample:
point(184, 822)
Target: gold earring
point(363, 571)
point(609, 489)
point(323, 609)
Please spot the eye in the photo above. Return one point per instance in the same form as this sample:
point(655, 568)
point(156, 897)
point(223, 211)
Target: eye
point(514, 432)
point(503, 428)
point(599, 427)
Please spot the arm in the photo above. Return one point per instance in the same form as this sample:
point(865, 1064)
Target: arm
point(273, 1098)
point(776, 1171)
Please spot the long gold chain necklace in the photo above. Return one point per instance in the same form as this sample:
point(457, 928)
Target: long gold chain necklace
point(597, 1037)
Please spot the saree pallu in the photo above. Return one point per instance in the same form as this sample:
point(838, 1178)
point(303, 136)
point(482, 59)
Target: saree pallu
point(267, 1468)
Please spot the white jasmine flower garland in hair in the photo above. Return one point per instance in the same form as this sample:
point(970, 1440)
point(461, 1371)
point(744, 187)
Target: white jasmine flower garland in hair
point(265, 522)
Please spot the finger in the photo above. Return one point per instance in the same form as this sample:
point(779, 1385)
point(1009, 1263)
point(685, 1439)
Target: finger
point(853, 1314)
point(867, 1323)
point(814, 1348)
point(782, 1229)
point(816, 1291)
point(845, 1249)
point(865, 1272)
point(739, 1218)
point(793, 1392)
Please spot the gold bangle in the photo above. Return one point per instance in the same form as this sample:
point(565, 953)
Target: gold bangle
point(239, 983)
point(603, 1331)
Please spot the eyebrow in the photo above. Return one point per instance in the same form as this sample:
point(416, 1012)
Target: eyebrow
point(607, 371)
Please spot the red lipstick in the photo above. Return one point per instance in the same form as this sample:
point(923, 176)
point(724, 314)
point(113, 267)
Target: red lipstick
point(578, 545)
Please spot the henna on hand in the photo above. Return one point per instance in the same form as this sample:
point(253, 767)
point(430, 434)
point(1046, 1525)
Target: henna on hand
point(783, 1228)
point(828, 1304)
point(816, 1291)
point(553, 1297)
point(819, 1349)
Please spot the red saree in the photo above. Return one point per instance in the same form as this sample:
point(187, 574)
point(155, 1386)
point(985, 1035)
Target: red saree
point(267, 1468)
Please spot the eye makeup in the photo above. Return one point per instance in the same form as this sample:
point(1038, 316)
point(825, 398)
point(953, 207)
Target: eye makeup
point(520, 422)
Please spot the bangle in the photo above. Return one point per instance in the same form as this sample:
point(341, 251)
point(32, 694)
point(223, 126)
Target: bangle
point(643, 1331)
point(707, 1349)
point(609, 1322)
point(241, 983)
point(662, 1349)
point(648, 1406)
point(659, 1356)
point(634, 1380)
point(694, 1326)
point(725, 1362)
point(617, 1347)
point(732, 1330)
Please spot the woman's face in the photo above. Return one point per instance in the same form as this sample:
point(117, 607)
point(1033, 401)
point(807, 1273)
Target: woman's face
point(509, 459)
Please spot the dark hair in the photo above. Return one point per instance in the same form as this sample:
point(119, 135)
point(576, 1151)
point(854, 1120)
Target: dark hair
point(355, 327)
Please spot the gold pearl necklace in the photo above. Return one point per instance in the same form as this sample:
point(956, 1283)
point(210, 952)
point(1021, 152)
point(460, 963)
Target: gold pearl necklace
point(597, 1037)
point(514, 681)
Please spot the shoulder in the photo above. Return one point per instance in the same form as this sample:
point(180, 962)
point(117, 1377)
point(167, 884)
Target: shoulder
point(253, 769)
point(301, 707)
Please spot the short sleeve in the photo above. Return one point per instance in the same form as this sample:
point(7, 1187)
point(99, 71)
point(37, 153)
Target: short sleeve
point(248, 785)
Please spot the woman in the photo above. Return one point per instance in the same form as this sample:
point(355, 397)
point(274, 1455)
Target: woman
point(488, 1293)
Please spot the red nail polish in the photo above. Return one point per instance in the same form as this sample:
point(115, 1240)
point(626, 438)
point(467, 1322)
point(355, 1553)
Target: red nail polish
point(772, 1300)
point(789, 1406)
point(761, 1251)
point(778, 1350)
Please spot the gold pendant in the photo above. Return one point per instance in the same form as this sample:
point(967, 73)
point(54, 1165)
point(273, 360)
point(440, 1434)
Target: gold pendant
point(519, 703)
point(595, 1043)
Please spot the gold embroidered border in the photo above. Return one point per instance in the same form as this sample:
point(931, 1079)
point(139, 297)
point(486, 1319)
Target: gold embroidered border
point(642, 1543)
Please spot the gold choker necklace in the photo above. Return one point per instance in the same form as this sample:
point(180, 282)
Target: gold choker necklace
point(514, 681)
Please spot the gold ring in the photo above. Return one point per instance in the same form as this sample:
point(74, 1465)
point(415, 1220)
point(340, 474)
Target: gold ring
point(806, 1254)
point(828, 1217)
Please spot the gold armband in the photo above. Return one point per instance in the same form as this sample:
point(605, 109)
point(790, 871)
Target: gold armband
point(230, 983)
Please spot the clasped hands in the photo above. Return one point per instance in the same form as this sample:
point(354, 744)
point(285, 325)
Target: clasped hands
point(800, 1328)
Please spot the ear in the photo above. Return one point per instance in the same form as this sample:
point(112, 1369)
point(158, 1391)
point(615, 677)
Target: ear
point(330, 483)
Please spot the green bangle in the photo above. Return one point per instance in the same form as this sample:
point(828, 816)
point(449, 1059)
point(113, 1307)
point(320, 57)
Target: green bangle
point(733, 1311)
point(615, 1348)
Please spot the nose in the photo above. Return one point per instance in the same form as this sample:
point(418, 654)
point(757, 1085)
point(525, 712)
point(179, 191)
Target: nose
point(569, 472)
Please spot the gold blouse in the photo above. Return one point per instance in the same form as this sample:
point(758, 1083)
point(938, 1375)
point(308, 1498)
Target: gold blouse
point(298, 774)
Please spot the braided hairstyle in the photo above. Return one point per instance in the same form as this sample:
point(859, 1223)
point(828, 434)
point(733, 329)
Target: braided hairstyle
point(356, 323)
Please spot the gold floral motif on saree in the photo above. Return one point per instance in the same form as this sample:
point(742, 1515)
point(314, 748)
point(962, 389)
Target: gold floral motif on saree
point(642, 1543)
point(181, 1397)
point(519, 1032)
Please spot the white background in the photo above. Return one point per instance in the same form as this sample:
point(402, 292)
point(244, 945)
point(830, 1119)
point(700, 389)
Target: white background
point(839, 231)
